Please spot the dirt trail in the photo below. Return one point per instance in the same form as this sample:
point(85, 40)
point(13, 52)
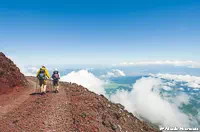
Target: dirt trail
point(59, 117)
point(50, 112)
point(10, 101)
point(73, 109)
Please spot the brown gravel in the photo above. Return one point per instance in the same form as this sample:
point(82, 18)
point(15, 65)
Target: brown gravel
point(73, 109)
point(94, 113)
point(48, 112)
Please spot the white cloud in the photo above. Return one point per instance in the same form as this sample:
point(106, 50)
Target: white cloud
point(190, 64)
point(191, 81)
point(181, 89)
point(167, 88)
point(171, 84)
point(145, 100)
point(193, 85)
point(181, 99)
point(196, 89)
point(114, 73)
point(86, 79)
point(29, 71)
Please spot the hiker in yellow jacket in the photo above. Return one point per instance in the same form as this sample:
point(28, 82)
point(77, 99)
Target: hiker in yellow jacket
point(43, 75)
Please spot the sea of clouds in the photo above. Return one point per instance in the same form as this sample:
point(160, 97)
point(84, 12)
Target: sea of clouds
point(145, 99)
point(189, 63)
point(191, 81)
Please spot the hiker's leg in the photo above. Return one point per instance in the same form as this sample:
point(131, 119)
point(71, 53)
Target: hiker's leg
point(45, 87)
point(54, 85)
point(41, 86)
point(57, 87)
point(41, 89)
point(53, 88)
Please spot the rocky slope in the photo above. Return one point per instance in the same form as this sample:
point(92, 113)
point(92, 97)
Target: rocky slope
point(73, 109)
point(10, 75)
point(94, 113)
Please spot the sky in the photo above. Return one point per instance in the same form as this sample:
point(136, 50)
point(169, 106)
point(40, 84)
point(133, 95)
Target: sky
point(99, 31)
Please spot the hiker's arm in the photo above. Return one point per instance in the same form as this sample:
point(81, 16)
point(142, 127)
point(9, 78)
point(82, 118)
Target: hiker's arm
point(52, 77)
point(47, 73)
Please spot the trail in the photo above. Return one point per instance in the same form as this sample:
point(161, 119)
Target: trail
point(73, 109)
point(26, 112)
point(10, 102)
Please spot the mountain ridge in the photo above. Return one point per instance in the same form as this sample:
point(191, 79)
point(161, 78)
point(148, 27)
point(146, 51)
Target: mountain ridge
point(74, 108)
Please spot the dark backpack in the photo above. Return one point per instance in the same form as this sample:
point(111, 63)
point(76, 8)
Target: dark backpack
point(55, 75)
point(41, 75)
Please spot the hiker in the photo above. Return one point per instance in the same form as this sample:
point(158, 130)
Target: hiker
point(43, 75)
point(55, 78)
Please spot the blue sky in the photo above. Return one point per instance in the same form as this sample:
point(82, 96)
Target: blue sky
point(99, 31)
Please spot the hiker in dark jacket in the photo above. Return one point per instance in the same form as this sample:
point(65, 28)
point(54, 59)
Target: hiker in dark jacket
point(55, 78)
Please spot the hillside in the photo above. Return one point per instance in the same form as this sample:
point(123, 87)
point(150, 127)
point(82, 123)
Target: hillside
point(73, 109)
point(10, 75)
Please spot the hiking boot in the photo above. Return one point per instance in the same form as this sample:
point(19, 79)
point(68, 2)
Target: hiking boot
point(56, 91)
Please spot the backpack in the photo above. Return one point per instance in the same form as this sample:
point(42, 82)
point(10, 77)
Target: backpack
point(41, 75)
point(56, 75)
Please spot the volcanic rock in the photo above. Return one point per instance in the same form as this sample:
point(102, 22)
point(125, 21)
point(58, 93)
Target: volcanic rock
point(10, 75)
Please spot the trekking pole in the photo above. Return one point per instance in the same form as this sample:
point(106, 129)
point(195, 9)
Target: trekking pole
point(36, 86)
point(49, 85)
point(47, 89)
point(52, 85)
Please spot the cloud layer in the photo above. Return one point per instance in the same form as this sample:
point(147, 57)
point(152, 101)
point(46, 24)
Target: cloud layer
point(114, 73)
point(29, 71)
point(190, 64)
point(145, 100)
point(191, 81)
point(86, 79)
